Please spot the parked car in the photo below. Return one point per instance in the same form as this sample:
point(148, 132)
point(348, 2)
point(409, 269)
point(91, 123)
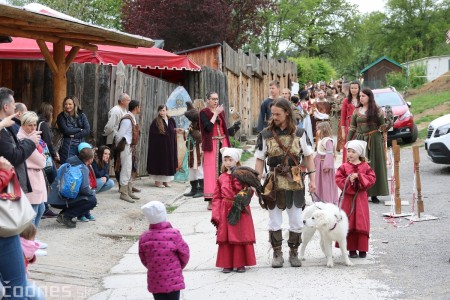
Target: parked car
point(437, 143)
point(404, 126)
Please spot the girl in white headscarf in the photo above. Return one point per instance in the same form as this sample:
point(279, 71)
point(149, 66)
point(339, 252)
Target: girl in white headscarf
point(354, 178)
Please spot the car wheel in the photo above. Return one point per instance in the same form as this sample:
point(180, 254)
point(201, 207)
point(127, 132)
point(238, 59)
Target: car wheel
point(414, 136)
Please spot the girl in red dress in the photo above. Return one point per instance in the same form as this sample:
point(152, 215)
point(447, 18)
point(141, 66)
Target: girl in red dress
point(235, 241)
point(348, 107)
point(355, 203)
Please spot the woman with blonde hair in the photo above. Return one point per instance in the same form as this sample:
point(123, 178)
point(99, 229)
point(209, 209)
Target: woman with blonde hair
point(74, 127)
point(35, 164)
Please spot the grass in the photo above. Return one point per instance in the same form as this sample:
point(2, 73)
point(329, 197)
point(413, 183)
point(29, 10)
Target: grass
point(421, 103)
point(423, 134)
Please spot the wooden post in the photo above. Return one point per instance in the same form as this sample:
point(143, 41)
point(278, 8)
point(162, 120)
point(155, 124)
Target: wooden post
point(418, 183)
point(398, 202)
point(59, 64)
point(59, 78)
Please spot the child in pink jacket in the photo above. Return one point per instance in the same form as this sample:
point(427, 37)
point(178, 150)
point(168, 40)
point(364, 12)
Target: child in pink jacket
point(163, 252)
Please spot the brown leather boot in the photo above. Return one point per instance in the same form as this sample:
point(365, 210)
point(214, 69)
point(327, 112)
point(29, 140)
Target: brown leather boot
point(130, 192)
point(294, 241)
point(124, 194)
point(276, 239)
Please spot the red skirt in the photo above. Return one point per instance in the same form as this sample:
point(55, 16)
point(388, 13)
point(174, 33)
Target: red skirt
point(235, 255)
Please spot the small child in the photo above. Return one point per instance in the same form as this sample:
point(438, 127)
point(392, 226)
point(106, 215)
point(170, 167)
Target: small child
point(163, 252)
point(355, 202)
point(92, 184)
point(326, 188)
point(29, 248)
point(235, 241)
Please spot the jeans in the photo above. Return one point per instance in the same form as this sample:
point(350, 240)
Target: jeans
point(104, 186)
point(12, 267)
point(39, 209)
point(78, 208)
point(33, 292)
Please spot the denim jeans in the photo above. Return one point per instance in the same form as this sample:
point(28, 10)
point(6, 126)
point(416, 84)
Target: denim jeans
point(34, 292)
point(104, 186)
point(12, 268)
point(78, 208)
point(39, 209)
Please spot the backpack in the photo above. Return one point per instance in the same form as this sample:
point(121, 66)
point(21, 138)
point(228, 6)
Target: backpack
point(70, 179)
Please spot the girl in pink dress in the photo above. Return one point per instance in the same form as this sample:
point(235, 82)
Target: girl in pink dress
point(326, 188)
point(348, 107)
point(235, 241)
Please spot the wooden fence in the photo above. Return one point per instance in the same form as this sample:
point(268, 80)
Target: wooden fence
point(242, 80)
point(97, 87)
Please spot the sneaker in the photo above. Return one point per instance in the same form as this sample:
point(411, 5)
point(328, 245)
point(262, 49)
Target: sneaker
point(241, 270)
point(83, 219)
point(49, 214)
point(90, 218)
point(41, 252)
point(227, 270)
point(42, 245)
point(66, 221)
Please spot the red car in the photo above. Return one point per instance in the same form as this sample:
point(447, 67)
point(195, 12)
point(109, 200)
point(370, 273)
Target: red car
point(404, 126)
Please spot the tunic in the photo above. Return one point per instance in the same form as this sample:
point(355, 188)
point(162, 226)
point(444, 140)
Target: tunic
point(326, 188)
point(361, 130)
point(235, 241)
point(162, 150)
point(346, 116)
point(359, 220)
point(211, 157)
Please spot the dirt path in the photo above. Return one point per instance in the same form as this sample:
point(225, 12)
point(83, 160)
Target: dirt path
point(79, 258)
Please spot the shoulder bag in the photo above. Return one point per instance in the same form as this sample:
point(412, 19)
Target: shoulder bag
point(16, 212)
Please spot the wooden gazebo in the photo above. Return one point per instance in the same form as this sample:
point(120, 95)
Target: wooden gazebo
point(45, 26)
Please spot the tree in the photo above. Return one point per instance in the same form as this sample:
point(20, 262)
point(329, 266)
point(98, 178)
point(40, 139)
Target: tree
point(187, 24)
point(417, 27)
point(106, 13)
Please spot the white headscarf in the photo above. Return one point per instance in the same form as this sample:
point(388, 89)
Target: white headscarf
point(358, 146)
point(234, 153)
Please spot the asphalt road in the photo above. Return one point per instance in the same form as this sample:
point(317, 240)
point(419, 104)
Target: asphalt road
point(414, 259)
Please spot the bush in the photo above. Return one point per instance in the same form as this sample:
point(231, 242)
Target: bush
point(397, 80)
point(414, 71)
point(314, 69)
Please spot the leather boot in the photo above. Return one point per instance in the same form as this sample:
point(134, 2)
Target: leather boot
point(295, 239)
point(199, 192)
point(276, 240)
point(124, 194)
point(130, 191)
point(194, 184)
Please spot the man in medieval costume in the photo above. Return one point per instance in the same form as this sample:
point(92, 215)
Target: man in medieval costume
point(283, 144)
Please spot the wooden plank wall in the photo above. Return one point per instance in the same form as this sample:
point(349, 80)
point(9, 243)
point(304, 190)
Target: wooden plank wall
point(248, 82)
point(98, 88)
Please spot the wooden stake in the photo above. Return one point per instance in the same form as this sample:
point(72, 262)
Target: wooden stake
point(418, 183)
point(398, 201)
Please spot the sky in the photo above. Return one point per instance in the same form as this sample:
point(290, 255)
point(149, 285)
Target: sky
point(367, 6)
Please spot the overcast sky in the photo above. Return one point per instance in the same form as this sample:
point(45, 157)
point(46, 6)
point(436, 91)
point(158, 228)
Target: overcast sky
point(366, 6)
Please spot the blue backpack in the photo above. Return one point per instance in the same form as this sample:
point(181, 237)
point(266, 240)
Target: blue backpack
point(70, 180)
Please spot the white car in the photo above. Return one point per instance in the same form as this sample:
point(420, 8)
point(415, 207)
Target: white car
point(437, 143)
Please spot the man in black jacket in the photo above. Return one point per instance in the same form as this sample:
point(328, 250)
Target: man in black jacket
point(15, 151)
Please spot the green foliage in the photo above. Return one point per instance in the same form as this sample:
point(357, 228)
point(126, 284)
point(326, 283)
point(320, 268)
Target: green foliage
point(315, 69)
point(416, 77)
point(397, 80)
point(106, 13)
